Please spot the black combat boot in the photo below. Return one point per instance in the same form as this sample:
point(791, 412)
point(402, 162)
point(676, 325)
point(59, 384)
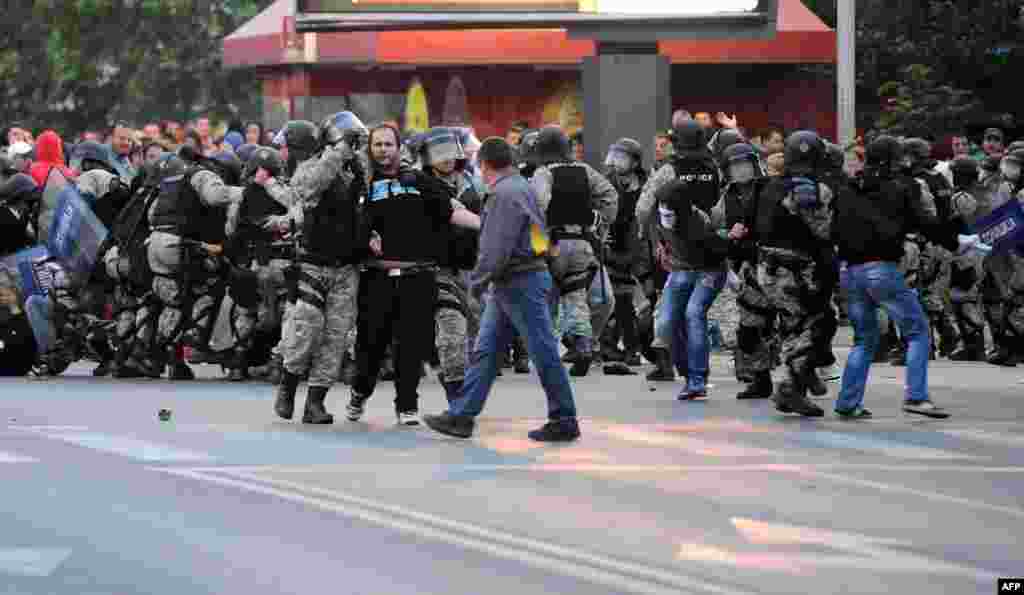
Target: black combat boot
point(275, 370)
point(1003, 354)
point(315, 412)
point(662, 371)
point(760, 388)
point(973, 349)
point(284, 404)
point(238, 367)
point(790, 398)
point(584, 356)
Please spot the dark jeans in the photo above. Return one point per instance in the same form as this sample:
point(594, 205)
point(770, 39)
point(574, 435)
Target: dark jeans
point(522, 303)
point(400, 308)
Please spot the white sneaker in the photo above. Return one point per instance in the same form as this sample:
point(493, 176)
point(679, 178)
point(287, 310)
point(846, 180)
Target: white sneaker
point(408, 418)
point(830, 373)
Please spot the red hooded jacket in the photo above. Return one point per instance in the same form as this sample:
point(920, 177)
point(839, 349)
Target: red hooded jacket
point(49, 154)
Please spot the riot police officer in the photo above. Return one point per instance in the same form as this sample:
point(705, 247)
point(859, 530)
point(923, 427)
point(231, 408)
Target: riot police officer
point(580, 204)
point(187, 222)
point(736, 213)
point(323, 194)
point(625, 170)
point(792, 230)
point(455, 316)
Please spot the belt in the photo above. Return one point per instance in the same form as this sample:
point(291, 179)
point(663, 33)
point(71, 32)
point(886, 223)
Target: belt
point(409, 270)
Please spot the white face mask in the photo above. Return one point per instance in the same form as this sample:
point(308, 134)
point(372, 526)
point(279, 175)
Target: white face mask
point(667, 217)
point(741, 172)
point(1010, 170)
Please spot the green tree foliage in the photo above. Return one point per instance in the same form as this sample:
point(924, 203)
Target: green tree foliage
point(934, 65)
point(78, 64)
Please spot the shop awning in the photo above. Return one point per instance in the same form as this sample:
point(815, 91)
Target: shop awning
point(271, 39)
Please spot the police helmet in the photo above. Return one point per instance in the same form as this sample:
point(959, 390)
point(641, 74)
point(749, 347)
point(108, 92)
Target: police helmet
point(804, 153)
point(439, 145)
point(688, 135)
point(6, 165)
point(19, 187)
point(266, 158)
point(246, 151)
point(965, 172)
point(725, 138)
point(90, 155)
point(884, 152)
point(552, 146)
point(1015, 156)
point(741, 163)
point(171, 167)
point(625, 155)
point(528, 146)
point(344, 126)
point(918, 149)
point(300, 136)
point(834, 157)
point(227, 166)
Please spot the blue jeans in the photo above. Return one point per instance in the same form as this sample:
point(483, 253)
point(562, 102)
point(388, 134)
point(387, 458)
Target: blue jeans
point(518, 305)
point(869, 286)
point(688, 296)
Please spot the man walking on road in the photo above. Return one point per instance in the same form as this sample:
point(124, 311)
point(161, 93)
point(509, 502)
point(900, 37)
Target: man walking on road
point(513, 246)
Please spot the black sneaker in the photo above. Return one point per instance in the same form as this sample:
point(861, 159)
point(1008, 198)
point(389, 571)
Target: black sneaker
point(450, 425)
point(565, 430)
point(855, 413)
point(356, 406)
point(925, 408)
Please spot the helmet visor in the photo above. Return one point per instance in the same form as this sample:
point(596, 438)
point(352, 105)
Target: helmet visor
point(742, 171)
point(619, 161)
point(1010, 169)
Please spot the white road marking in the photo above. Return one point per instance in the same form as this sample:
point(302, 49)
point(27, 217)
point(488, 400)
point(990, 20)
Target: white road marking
point(127, 446)
point(881, 446)
point(32, 562)
point(10, 457)
point(935, 496)
point(624, 576)
point(608, 467)
point(863, 552)
point(1015, 440)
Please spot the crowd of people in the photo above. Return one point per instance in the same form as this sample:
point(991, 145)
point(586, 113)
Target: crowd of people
point(339, 252)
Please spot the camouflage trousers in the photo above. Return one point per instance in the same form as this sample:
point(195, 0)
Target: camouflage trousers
point(1014, 317)
point(189, 308)
point(457, 324)
point(317, 325)
point(126, 309)
point(793, 285)
point(965, 295)
point(273, 293)
point(757, 320)
point(725, 313)
point(584, 298)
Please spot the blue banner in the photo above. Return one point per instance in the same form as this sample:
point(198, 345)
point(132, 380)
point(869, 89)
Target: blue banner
point(76, 234)
point(35, 281)
point(1003, 229)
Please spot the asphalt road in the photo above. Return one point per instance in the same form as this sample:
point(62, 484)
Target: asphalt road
point(98, 496)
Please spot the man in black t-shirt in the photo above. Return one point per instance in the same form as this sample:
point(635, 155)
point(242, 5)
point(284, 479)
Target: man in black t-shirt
point(406, 216)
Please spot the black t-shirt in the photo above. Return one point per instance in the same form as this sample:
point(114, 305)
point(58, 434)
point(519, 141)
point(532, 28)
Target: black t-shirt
point(411, 212)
